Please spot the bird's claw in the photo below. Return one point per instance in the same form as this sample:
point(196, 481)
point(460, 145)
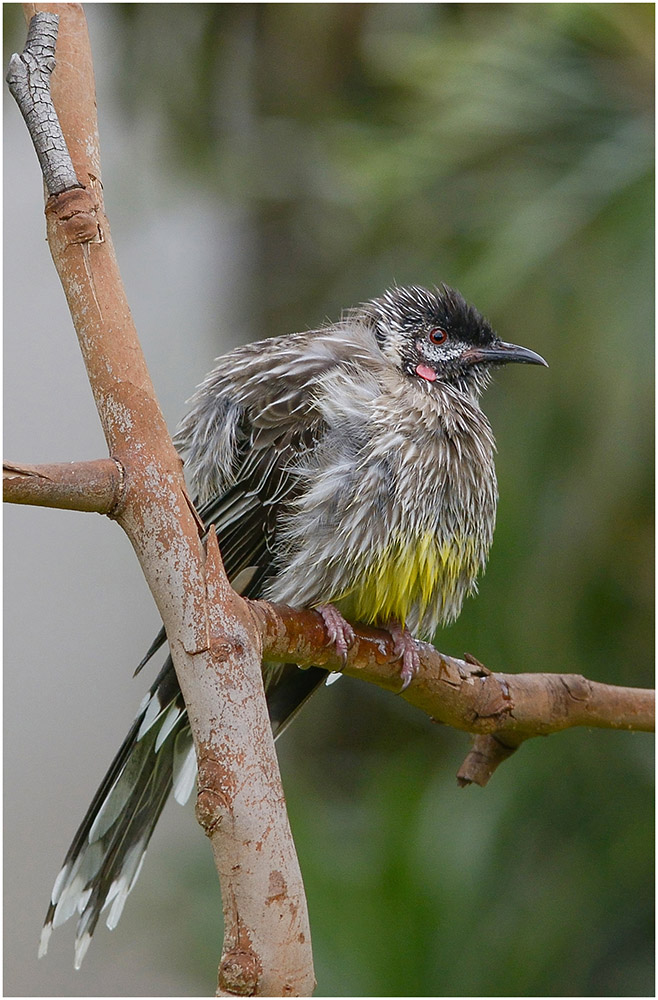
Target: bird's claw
point(340, 633)
point(406, 649)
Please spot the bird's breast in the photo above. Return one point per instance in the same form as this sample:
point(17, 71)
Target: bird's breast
point(436, 528)
point(414, 579)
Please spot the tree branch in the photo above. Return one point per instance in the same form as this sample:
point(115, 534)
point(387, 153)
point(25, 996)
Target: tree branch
point(87, 486)
point(503, 710)
point(215, 646)
point(29, 82)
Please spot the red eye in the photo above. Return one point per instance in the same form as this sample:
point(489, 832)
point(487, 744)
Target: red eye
point(437, 336)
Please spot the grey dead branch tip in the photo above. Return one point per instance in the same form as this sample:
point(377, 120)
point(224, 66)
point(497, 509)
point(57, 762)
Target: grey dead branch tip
point(28, 78)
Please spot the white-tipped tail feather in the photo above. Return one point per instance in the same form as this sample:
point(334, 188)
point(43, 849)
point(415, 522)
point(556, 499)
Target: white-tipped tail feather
point(184, 769)
point(107, 853)
point(46, 931)
point(172, 717)
point(82, 942)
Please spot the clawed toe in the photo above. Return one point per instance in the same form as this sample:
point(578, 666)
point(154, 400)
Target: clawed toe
point(407, 650)
point(340, 633)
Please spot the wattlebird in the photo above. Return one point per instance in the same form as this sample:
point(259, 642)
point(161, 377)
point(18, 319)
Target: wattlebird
point(348, 469)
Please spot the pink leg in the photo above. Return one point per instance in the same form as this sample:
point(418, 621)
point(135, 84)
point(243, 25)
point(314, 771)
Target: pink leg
point(407, 650)
point(340, 632)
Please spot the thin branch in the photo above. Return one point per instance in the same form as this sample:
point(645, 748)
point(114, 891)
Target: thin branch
point(29, 82)
point(87, 486)
point(482, 760)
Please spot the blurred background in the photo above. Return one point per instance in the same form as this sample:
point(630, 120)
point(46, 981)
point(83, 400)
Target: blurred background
point(265, 166)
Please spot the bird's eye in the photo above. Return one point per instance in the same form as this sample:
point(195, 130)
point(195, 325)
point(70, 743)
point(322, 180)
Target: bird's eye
point(437, 335)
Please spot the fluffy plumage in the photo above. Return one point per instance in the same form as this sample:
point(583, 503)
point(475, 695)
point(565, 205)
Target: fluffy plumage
point(350, 465)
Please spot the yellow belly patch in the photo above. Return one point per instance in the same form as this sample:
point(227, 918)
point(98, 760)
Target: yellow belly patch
point(422, 573)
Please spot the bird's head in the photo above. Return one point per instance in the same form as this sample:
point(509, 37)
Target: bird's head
point(438, 337)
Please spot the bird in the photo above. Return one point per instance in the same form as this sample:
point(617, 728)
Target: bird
point(348, 469)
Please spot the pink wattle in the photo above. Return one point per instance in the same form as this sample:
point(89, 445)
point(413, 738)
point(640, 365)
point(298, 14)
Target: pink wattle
point(427, 373)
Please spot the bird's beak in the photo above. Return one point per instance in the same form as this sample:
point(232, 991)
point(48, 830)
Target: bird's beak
point(502, 354)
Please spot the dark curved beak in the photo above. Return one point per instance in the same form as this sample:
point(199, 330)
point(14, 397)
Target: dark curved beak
point(502, 354)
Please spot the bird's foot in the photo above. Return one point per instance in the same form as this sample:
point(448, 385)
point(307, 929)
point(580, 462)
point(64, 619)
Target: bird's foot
point(406, 648)
point(341, 634)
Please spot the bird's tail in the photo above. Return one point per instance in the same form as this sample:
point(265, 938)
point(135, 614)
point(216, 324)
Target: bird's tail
point(156, 758)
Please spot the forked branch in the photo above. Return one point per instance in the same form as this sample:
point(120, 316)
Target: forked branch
point(212, 636)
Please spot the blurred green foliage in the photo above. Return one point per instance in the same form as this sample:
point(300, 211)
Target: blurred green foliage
point(506, 149)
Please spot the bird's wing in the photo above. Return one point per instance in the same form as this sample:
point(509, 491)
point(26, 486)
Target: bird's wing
point(262, 397)
point(245, 515)
point(252, 419)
